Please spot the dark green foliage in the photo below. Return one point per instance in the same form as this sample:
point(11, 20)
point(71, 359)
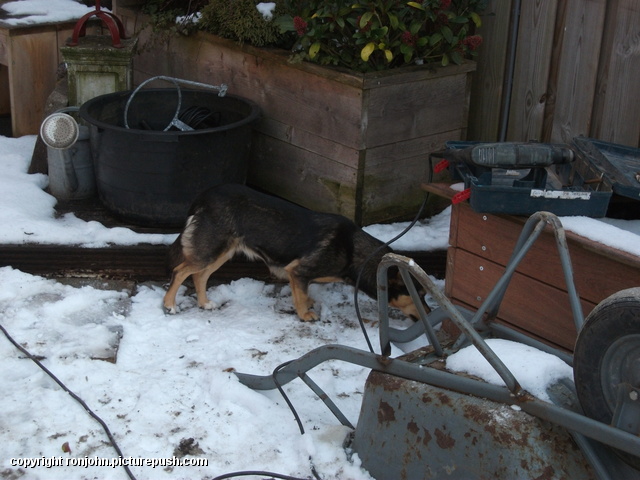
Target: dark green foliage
point(363, 36)
point(382, 34)
point(240, 20)
point(165, 12)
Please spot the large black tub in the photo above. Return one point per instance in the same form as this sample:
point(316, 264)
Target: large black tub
point(150, 176)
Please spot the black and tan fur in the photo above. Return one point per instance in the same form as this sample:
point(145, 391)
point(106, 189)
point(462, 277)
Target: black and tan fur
point(297, 244)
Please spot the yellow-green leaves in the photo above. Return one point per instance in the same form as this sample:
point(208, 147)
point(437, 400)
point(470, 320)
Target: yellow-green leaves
point(371, 47)
point(476, 19)
point(366, 52)
point(365, 19)
point(314, 49)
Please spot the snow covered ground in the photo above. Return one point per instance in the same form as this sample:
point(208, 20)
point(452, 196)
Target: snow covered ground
point(172, 392)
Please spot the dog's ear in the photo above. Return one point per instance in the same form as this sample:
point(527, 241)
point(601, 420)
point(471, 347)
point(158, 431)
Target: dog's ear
point(397, 286)
point(399, 294)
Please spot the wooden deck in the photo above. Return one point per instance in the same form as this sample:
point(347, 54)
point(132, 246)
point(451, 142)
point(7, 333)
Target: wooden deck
point(140, 262)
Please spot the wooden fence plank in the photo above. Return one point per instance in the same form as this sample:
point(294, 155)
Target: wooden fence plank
point(4, 48)
point(574, 68)
point(487, 85)
point(577, 68)
point(616, 115)
point(535, 38)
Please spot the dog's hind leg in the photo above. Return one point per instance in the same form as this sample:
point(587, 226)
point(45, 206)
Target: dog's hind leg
point(200, 282)
point(179, 275)
point(201, 277)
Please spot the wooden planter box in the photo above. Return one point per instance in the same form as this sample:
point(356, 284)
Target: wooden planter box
point(536, 301)
point(329, 140)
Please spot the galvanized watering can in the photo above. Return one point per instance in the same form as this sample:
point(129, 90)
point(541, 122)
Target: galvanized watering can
point(71, 175)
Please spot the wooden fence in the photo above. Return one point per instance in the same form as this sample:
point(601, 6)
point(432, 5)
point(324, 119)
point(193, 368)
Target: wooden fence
point(550, 70)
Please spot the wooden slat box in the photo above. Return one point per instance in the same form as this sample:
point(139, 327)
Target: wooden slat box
point(331, 140)
point(359, 148)
point(536, 301)
point(29, 59)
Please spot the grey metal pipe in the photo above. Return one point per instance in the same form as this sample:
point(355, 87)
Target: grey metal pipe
point(507, 88)
point(392, 259)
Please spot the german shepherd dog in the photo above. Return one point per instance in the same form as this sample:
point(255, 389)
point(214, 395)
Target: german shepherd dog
point(297, 244)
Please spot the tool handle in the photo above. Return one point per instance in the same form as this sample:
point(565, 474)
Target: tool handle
point(513, 155)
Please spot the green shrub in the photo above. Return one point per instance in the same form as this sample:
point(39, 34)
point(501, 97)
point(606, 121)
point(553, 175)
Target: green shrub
point(360, 35)
point(382, 34)
point(241, 21)
point(173, 16)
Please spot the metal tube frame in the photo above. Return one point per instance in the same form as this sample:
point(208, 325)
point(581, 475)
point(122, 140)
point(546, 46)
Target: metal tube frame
point(175, 121)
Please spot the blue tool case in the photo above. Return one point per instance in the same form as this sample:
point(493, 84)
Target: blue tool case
point(600, 170)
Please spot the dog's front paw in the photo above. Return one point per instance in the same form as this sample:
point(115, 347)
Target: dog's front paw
point(309, 316)
point(171, 310)
point(208, 306)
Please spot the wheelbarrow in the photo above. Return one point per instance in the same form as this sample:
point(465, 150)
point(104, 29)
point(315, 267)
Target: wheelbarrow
point(600, 409)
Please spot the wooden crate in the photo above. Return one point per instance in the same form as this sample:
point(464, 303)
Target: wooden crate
point(536, 301)
point(29, 59)
point(328, 139)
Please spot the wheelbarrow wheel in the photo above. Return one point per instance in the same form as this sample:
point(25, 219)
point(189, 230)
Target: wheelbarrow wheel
point(607, 353)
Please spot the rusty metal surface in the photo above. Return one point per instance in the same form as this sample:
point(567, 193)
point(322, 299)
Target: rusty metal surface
point(411, 430)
